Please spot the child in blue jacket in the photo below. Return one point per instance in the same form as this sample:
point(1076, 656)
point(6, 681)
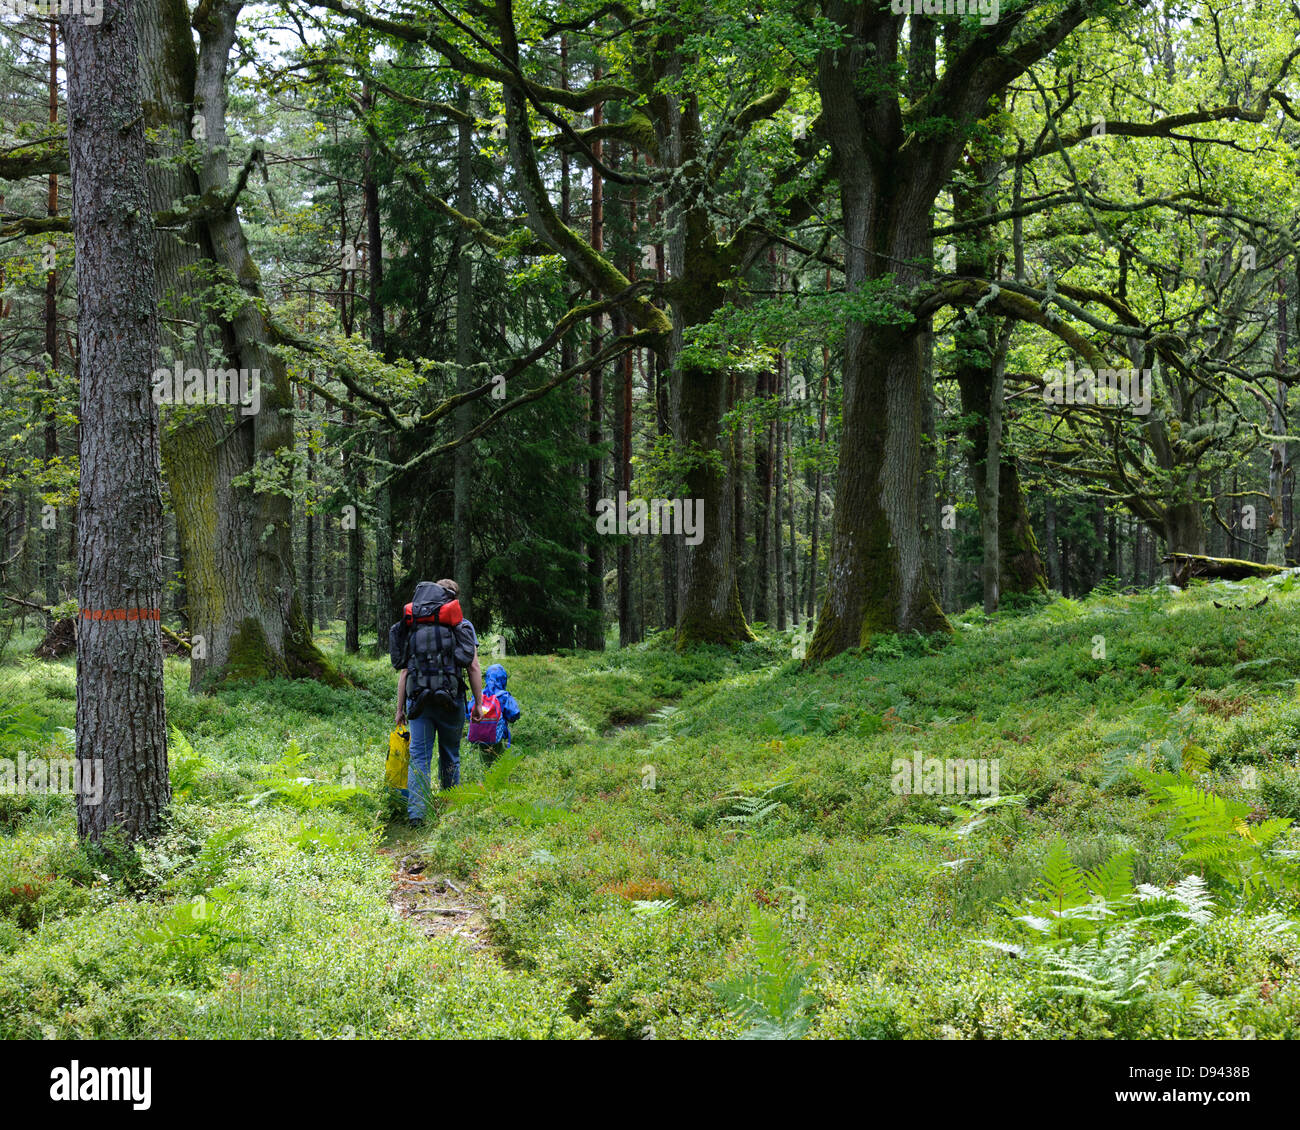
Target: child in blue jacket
point(482, 733)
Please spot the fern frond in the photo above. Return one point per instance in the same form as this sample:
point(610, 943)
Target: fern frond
point(1113, 880)
point(1061, 882)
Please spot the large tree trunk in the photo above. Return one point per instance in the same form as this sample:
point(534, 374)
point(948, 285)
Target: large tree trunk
point(778, 489)
point(309, 562)
point(121, 723)
point(50, 564)
point(623, 427)
point(890, 174)
point(1184, 528)
point(667, 546)
point(709, 608)
point(595, 635)
point(1280, 474)
point(879, 580)
point(879, 577)
point(709, 599)
point(790, 510)
point(818, 478)
point(764, 450)
point(356, 485)
point(462, 485)
point(385, 600)
point(237, 541)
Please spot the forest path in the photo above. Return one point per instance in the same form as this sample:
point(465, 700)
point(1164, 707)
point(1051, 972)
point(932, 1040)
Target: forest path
point(440, 907)
point(436, 906)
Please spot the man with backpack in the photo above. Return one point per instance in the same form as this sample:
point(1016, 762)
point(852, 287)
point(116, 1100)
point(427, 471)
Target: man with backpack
point(432, 646)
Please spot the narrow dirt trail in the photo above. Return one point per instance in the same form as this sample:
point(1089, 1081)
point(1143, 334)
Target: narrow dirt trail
point(438, 906)
point(435, 905)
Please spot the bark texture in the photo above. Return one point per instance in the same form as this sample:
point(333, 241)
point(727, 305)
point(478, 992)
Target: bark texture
point(121, 724)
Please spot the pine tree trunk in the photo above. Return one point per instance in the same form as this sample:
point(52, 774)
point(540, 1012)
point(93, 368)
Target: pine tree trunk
point(1012, 563)
point(595, 635)
point(1053, 545)
point(385, 606)
point(818, 484)
point(309, 563)
point(1280, 475)
point(626, 628)
point(50, 564)
point(462, 483)
point(764, 444)
point(778, 485)
point(121, 722)
point(667, 546)
point(790, 510)
point(736, 472)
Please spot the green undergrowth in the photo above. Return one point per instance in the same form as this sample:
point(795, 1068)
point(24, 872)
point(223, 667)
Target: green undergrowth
point(711, 844)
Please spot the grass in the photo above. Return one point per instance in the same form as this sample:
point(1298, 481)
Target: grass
point(678, 826)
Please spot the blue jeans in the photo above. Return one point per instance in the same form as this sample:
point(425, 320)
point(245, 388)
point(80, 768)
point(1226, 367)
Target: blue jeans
point(449, 725)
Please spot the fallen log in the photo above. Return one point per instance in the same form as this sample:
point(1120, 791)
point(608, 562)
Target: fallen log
point(1196, 566)
point(27, 604)
point(175, 644)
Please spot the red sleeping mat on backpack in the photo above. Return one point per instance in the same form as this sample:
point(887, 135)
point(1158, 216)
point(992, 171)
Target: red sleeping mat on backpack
point(449, 615)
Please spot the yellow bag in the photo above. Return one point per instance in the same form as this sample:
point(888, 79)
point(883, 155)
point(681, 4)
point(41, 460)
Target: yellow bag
point(399, 758)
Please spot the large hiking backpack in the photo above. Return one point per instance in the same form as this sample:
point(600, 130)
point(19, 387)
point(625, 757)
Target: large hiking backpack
point(432, 604)
point(428, 642)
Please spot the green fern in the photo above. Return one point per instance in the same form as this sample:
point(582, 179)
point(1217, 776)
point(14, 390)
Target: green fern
point(1115, 971)
point(1156, 740)
point(496, 781)
point(806, 717)
point(495, 791)
point(1189, 899)
point(772, 1000)
point(746, 811)
point(185, 764)
point(22, 724)
point(1067, 903)
point(964, 818)
point(1217, 839)
point(1113, 880)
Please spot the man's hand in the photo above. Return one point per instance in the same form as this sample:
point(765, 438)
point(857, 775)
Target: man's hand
point(400, 718)
point(477, 714)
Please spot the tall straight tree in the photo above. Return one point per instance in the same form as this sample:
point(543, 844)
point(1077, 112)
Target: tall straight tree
point(386, 605)
point(595, 428)
point(1012, 563)
point(121, 723)
point(462, 563)
point(50, 564)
